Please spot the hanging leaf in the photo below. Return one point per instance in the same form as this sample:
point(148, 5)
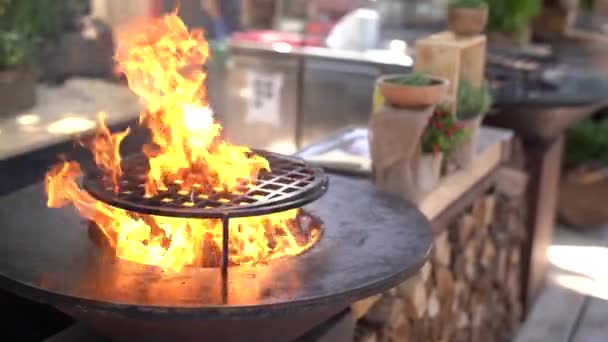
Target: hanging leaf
point(443, 133)
point(24, 25)
point(512, 16)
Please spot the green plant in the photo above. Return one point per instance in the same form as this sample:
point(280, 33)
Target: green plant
point(587, 141)
point(15, 49)
point(473, 101)
point(24, 24)
point(418, 79)
point(443, 133)
point(468, 3)
point(512, 16)
point(587, 5)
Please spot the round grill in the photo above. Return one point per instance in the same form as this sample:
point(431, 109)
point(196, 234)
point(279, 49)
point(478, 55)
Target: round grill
point(291, 184)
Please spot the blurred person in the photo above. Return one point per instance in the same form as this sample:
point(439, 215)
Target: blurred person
point(223, 15)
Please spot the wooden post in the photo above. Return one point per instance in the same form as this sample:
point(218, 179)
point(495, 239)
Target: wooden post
point(544, 167)
point(454, 58)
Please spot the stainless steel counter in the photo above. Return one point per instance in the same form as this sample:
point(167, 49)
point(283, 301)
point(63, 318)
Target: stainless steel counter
point(280, 97)
point(375, 57)
point(347, 150)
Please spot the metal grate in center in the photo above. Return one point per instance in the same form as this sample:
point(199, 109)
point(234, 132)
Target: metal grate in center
point(291, 184)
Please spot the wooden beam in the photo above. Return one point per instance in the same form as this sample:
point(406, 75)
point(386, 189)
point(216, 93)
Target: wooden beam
point(543, 163)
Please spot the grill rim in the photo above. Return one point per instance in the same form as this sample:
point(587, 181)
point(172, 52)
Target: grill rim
point(91, 182)
point(380, 222)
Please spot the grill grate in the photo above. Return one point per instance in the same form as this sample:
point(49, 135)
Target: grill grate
point(292, 183)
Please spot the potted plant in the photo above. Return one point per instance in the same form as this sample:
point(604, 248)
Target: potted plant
point(555, 19)
point(24, 24)
point(412, 90)
point(509, 20)
point(17, 81)
point(472, 103)
point(442, 136)
point(467, 17)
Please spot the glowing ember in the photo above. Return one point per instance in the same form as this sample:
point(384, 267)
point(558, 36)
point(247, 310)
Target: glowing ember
point(163, 63)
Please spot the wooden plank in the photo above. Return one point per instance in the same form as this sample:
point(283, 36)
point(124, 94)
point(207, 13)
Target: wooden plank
point(592, 327)
point(454, 58)
point(385, 311)
point(552, 316)
point(365, 334)
point(360, 308)
point(442, 61)
point(511, 182)
point(473, 63)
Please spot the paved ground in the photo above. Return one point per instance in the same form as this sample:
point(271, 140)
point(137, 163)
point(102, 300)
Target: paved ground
point(574, 306)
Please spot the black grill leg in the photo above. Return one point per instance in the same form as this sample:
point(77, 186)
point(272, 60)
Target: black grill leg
point(225, 259)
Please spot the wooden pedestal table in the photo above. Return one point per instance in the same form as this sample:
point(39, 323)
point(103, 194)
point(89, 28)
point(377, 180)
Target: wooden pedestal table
point(540, 124)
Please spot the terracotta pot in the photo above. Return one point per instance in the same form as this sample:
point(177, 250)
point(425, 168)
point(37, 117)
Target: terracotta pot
point(17, 91)
point(554, 22)
point(406, 96)
point(428, 172)
point(467, 21)
point(465, 154)
point(582, 198)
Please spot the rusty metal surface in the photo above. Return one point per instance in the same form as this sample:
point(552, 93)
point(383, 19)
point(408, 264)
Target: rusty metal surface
point(372, 241)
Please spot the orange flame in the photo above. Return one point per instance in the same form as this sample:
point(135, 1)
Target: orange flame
point(106, 149)
point(172, 243)
point(163, 63)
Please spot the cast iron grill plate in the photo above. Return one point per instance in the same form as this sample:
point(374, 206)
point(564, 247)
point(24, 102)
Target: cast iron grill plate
point(290, 184)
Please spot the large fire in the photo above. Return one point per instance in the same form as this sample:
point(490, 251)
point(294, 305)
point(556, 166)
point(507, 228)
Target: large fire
point(163, 63)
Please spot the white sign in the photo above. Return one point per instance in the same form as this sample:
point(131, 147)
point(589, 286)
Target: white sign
point(264, 100)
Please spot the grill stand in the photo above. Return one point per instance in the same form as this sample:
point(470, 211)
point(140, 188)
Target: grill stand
point(292, 184)
point(225, 257)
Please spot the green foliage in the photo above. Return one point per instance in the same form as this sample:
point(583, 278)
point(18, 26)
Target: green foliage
point(443, 133)
point(24, 24)
point(587, 5)
point(15, 49)
point(512, 16)
point(417, 79)
point(587, 141)
point(473, 101)
point(468, 3)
